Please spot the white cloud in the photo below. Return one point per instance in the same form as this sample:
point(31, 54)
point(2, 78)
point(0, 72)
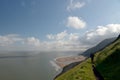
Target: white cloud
point(75, 22)
point(106, 31)
point(75, 5)
point(50, 36)
point(9, 39)
point(93, 37)
point(64, 41)
point(57, 36)
point(61, 35)
point(61, 41)
point(74, 37)
point(33, 41)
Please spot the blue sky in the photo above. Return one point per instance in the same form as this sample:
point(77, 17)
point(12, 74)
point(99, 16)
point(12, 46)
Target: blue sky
point(57, 24)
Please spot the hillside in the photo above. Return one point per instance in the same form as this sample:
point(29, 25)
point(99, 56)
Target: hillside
point(107, 62)
point(98, 47)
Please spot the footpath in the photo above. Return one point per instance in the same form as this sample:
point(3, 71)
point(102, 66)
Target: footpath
point(95, 71)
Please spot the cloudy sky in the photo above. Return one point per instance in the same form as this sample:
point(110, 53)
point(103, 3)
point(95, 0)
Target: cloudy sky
point(45, 25)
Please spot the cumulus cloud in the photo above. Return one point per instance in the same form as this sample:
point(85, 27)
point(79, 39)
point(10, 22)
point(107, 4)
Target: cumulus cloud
point(9, 39)
point(75, 41)
point(75, 22)
point(61, 41)
point(64, 41)
point(63, 36)
point(109, 30)
point(58, 36)
point(100, 33)
point(75, 5)
point(33, 41)
point(73, 36)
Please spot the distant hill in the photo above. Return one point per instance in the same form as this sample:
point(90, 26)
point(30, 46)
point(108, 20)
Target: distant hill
point(107, 62)
point(98, 47)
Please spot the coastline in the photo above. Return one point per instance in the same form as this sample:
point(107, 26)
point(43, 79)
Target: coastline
point(67, 63)
point(66, 60)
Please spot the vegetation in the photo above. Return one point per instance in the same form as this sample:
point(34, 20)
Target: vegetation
point(107, 62)
point(81, 72)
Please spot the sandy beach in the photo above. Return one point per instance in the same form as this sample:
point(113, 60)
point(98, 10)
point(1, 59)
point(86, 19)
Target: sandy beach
point(63, 61)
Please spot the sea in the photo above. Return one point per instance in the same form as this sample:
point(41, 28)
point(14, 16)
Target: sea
point(30, 65)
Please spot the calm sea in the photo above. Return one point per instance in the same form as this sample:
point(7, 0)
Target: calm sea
point(29, 65)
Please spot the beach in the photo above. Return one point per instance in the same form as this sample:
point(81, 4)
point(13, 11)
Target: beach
point(63, 61)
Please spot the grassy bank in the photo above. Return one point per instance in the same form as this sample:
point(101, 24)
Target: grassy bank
point(107, 62)
point(81, 72)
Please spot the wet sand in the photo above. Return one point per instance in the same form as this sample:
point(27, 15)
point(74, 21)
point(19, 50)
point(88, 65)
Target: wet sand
point(63, 61)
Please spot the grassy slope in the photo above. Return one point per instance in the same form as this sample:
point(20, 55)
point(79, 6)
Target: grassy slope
point(81, 72)
point(107, 62)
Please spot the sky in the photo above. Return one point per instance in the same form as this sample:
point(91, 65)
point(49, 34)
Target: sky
point(57, 25)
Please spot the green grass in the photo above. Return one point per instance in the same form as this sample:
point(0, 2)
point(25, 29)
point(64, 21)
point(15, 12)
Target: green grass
point(107, 63)
point(81, 72)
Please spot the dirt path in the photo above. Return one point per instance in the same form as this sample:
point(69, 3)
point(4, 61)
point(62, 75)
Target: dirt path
point(95, 71)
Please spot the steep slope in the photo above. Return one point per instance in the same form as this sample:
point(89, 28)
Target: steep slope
point(98, 47)
point(107, 62)
point(82, 71)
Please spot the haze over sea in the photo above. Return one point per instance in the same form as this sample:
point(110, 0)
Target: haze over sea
point(29, 65)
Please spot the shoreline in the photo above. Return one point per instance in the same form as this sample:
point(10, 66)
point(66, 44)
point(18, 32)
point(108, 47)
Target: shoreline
point(66, 60)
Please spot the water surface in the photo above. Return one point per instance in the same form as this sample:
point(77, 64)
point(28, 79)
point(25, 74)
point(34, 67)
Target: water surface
point(29, 65)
